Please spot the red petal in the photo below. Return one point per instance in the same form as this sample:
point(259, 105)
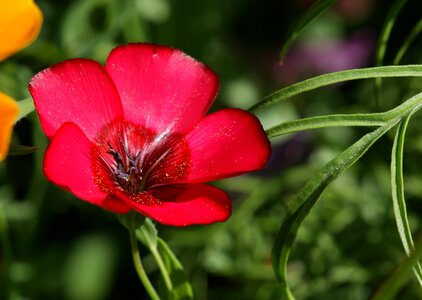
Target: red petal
point(183, 205)
point(67, 163)
point(162, 88)
point(224, 144)
point(78, 91)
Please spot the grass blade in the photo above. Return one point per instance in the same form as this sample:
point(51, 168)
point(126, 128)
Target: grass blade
point(309, 196)
point(336, 77)
point(310, 15)
point(399, 277)
point(397, 191)
point(416, 30)
point(383, 40)
point(386, 30)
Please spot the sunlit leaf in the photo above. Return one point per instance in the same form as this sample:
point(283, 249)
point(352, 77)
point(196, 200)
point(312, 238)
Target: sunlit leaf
point(26, 106)
point(336, 77)
point(311, 14)
point(310, 195)
point(397, 189)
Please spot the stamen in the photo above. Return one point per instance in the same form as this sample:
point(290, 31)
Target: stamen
point(128, 175)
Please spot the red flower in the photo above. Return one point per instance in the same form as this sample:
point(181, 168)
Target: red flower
point(134, 135)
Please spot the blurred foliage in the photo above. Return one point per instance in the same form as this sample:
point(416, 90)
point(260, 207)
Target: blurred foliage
point(54, 246)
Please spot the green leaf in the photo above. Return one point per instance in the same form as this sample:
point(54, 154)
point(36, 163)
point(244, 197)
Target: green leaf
point(397, 189)
point(21, 150)
point(336, 77)
point(132, 220)
point(310, 15)
point(309, 196)
point(383, 40)
point(182, 289)
point(326, 121)
point(148, 235)
point(399, 277)
point(416, 30)
point(26, 106)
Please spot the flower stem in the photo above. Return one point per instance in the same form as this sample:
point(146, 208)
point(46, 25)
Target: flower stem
point(163, 269)
point(139, 268)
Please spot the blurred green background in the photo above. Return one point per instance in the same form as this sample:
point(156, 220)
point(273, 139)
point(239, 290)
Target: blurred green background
point(63, 248)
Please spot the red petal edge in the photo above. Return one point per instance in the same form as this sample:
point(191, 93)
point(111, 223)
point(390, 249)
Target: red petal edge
point(78, 91)
point(226, 143)
point(183, 205)
point(162, 88)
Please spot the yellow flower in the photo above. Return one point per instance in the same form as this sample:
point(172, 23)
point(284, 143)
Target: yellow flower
point(20, 23)
point(8, 113)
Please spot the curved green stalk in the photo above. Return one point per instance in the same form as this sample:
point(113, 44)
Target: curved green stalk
point(139, 268)
point(336, 77)
point(397, 191)
point(383, 40)
point(310, 15)
point(308, 198)
point(386, 30)
point(326, 121)
point(370, 120)
point(398, 278)
point(416, 30)
point(163, 269)
point(313, 190)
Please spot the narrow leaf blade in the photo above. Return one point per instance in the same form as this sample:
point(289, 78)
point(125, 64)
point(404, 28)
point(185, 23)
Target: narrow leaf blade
point(397, 191)
point(182, 290)
point(416, 30)
point(336, 77)
point(310, 15)
point(395, 281)
point(377, 119)
point(383, 40)
point(310, 195)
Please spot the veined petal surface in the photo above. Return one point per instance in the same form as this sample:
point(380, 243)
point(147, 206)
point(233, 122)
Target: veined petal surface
point(78, 91)
point(67, 163)
point(226, 143)
point(162, 88)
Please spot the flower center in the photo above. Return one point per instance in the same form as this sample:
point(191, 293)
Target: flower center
point(133, 159)
point(127, 170)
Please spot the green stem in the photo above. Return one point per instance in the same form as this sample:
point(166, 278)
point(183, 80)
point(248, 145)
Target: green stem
point(163, 270)
point(139, 268)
